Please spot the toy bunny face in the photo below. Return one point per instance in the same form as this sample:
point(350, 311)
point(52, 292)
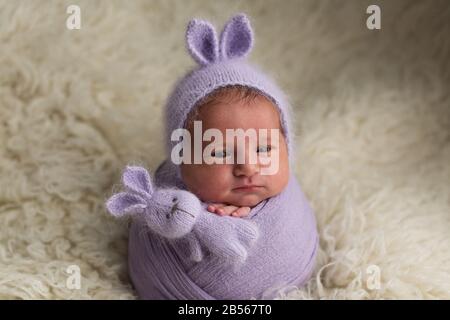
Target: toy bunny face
point(172, 213)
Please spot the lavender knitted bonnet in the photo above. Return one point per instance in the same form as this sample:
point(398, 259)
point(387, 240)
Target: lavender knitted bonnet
point(221, 63)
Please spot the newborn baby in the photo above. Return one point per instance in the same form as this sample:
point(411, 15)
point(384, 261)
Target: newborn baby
point(233, 189)
point(236, 224)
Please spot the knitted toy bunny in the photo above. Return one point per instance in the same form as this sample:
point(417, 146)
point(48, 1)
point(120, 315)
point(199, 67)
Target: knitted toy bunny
point(175, 214)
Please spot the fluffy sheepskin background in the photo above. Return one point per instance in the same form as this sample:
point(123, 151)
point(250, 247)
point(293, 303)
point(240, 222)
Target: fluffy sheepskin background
point(373, 122)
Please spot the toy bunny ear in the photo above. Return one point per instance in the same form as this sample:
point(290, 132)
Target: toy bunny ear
point(202, 43)
point(123, 203)
point(137, 179)
point(236, 39)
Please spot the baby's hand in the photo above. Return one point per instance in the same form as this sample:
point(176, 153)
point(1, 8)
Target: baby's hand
point(228, 210)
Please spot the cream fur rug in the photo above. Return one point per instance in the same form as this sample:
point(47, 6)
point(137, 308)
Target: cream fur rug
point(373, 120)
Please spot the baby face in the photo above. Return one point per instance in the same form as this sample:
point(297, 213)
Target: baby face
point(239, 183)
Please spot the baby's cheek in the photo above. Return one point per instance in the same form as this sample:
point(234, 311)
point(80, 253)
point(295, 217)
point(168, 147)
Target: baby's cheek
point(212, 182)
point(280, 180)
point(219, 177)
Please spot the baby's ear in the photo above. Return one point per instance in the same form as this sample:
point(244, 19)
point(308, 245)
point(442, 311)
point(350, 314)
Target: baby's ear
point(236, 40)
point(201, 41)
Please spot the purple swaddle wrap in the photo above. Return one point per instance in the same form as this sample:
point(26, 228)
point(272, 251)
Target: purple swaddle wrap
point(278, 242)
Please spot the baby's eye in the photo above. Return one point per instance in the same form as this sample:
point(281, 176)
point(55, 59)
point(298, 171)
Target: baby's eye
point(264, 149)
point(174, 199)
point(219, 154)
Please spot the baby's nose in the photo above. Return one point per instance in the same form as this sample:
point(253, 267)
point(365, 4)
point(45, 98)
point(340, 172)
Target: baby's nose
point(246, 163)
point(246, 169)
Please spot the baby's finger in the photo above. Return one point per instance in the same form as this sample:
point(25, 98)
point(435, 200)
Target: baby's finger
point(241, 212)
point(214, 206)
point(226, 210)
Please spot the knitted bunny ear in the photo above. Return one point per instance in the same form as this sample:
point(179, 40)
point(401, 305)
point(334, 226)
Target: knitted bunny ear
point(123, 203)
point(137, 179)
point(202, 43)
point(236, 39)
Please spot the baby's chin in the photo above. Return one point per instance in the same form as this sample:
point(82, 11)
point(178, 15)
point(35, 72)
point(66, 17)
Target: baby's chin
point(247, 200)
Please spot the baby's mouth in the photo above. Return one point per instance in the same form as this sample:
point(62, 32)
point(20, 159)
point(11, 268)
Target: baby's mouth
point(245, 188)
